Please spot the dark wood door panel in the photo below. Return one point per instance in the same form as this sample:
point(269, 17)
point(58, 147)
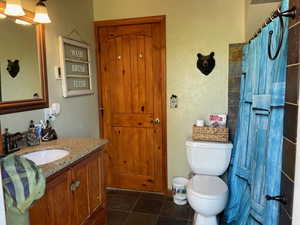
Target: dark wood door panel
point(130, 74)
point(132, 120)
point(117, 31)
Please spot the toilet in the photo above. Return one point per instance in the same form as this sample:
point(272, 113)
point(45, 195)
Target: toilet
point(207, 193)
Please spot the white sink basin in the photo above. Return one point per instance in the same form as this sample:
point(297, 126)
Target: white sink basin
point(46, 156)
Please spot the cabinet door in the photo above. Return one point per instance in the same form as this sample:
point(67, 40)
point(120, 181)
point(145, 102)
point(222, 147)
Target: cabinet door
point(60, 200)
point(39, 208)
point(55, 207)
point(73, 196)
point(102, 193)
point(80, 192)
point(94, 182)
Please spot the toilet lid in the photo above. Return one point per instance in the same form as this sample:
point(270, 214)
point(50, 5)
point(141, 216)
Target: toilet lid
point(207, 186)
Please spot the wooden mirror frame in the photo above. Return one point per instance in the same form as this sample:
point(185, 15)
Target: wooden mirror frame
point(31, 104)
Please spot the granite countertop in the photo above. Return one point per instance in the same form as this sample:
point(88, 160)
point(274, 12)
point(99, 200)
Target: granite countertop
point(77, 147)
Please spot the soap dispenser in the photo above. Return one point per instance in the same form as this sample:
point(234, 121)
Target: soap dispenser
point(31, 138)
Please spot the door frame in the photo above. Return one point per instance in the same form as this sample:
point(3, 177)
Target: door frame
point(161, 20)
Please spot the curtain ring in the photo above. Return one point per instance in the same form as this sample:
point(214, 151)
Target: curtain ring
point(280, 40)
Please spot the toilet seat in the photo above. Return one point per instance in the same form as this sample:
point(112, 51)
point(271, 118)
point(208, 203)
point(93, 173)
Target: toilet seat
point(207, 187)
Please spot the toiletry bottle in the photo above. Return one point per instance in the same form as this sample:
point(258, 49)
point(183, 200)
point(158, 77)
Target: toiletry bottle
point(1, 142)
point(6, 141)
point(38, 130)
point(31, 125)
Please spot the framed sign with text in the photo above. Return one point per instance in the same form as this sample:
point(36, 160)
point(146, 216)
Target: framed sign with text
point(75, 67)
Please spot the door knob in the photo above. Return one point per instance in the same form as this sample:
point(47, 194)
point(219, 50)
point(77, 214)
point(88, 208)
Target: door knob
point(156, 121)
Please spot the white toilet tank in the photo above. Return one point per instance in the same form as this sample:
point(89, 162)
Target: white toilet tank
point(208, 158)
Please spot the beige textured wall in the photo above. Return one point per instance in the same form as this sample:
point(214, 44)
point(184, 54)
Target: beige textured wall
point(256, 15)
point(192, 26)
point(79, 115)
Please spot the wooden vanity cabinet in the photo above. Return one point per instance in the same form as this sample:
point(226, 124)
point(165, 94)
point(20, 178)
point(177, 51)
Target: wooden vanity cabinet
point(80, 192)
point(73, 196)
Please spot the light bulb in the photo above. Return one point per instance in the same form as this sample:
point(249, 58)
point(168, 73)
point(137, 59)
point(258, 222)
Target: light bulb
point(14, 8)
point(22, 22)
point(2, 16)
point(41, 13)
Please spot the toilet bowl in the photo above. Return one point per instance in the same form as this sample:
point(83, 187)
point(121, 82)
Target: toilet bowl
point(206, 192)
point(207, 195)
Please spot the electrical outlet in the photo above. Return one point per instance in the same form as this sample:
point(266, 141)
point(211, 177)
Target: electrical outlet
point(47, 114)
point(173, 102)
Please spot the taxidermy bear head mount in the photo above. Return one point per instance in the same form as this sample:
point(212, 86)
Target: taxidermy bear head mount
point(206, 63)
point(13, 68)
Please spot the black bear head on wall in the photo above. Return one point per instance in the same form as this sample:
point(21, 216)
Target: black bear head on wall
point(206, 63)
point(13, 68)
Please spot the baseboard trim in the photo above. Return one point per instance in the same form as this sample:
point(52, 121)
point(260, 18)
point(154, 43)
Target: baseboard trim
point(169, 193)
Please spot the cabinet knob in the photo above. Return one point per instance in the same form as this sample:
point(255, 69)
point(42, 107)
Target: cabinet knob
point(75, 185)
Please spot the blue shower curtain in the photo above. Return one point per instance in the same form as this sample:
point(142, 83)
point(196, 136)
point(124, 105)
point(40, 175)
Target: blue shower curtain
point(255, 169)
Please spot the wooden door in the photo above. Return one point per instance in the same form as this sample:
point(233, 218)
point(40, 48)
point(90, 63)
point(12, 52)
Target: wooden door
point(133, 93)
point(80, 192)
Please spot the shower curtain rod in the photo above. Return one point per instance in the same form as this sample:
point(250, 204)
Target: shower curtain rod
point(291, 13)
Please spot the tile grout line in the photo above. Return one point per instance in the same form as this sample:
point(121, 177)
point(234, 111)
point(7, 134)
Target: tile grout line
point(294, 25)
point(288, 140)
point(130, 212)
point(125, 221)
point(290, 217)
point(292, 65)
point(288, 177)
point(163, 199)
point(157, 217)
point(136, 201)
point(290, 103)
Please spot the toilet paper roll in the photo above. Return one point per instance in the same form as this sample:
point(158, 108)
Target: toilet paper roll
point(200, 123)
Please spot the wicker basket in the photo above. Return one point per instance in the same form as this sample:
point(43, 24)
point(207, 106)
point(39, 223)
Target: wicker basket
point(215, 134)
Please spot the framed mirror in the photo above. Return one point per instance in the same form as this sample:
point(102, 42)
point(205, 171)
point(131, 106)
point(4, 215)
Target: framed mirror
point(23, 75)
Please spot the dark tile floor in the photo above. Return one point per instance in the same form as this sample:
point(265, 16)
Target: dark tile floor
point(137, 208)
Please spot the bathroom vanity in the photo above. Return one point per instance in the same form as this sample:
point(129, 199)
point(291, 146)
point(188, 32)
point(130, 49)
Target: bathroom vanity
point(75, 184)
